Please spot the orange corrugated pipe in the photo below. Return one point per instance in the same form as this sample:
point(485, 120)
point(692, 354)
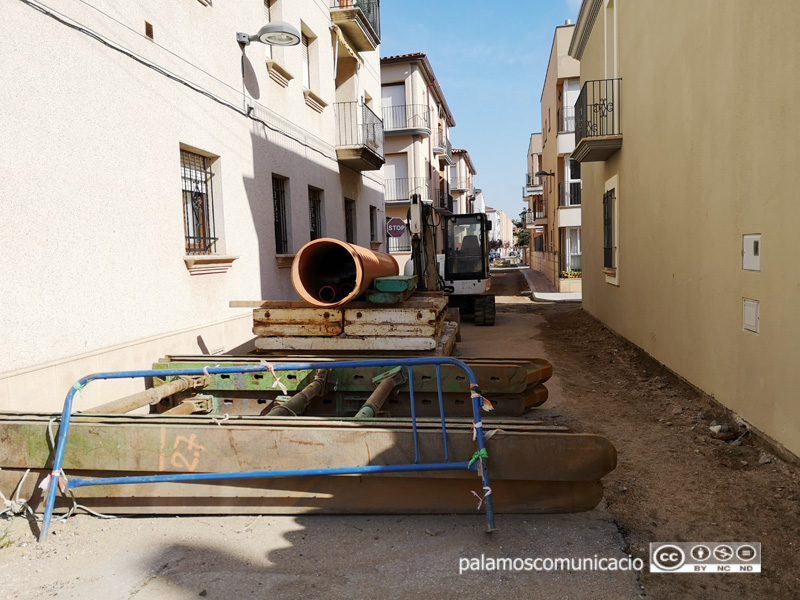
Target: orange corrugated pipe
point(328, 272)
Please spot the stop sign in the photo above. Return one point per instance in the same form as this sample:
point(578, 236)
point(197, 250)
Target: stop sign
point(395, 227)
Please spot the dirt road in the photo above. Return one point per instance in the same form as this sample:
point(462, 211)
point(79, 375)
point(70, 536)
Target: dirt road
point(673, 483)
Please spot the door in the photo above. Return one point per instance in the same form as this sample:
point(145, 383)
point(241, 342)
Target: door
point(393, 100)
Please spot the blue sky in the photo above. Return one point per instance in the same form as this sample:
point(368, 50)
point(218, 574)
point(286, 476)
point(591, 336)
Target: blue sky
point(490, 59)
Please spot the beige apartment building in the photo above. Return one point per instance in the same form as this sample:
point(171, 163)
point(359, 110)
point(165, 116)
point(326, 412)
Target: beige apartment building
point(534, 213)
point(462, 184)
point(159, 162)
point(685, 138)
point(418, 151)
point(557, 251)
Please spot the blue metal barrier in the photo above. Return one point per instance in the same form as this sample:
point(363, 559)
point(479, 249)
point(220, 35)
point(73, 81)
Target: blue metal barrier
point(478, 461)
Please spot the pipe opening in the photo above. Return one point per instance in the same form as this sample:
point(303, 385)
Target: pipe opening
point(327, 272)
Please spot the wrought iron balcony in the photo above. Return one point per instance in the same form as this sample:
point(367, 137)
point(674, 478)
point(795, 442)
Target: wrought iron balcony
point(400, 190)
point(598, 120)
point(540, 211)
point(360, 20)
point(443, 148)
point(407, 118)
point(445, 200)
point(359, 136)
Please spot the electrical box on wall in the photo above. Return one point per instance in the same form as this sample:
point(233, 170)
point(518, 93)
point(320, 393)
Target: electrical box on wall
point(750, 315)
point(751, 252)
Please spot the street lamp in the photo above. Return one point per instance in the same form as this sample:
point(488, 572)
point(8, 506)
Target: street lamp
point(543, 173)
point(277, 33)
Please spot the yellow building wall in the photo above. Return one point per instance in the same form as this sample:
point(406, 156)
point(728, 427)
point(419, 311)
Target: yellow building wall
point(709, 149)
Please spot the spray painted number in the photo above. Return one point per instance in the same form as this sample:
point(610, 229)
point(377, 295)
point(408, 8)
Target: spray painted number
point(181, 448)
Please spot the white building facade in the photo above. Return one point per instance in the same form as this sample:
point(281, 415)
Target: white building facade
point(156, 169)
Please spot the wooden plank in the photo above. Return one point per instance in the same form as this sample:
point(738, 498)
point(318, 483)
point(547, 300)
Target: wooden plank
point(346, 344)
point(180, 448)
point(305, 321)
point(318, 495)
point(396, 283)
point(267, 304)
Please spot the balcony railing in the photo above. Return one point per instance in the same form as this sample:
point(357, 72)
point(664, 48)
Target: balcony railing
point(443, 147)
point(444, 200)
point(357, 126)
point(566, 119)
point(540, 210)
point(371, 11)
point(400, 190)
point(399, 244)
point(569, 194)
point(460, 185)
point(406, 116)
point(532, 180)
point(597, 111)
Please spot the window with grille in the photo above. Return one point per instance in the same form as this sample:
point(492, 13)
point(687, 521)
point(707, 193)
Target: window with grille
point(315, 213)
point(350, 221)
point(279, 205)
point(608, 229)
point(373, 224)
point(198, 203)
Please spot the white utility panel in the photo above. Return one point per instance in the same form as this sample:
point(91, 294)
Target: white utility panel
point(751, 252)
point(750, 315)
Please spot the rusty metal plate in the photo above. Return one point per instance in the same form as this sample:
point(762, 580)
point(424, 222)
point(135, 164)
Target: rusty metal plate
point(306, 321)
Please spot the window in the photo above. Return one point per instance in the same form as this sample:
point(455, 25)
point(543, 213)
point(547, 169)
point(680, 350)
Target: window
point(609, 261)
point(373, 224)
point(315, 213)
point(573, 183)
point(538, 243)
point(198, 203)
point(306, 42)
point(571, 245)
point(349, 221)
point(279, 205)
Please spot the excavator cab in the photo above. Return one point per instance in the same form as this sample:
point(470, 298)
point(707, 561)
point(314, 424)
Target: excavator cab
point(466, 266)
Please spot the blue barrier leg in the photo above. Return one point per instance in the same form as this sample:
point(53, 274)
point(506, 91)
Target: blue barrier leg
point(441, 410)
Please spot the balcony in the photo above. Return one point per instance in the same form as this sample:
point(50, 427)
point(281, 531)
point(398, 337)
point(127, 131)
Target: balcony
point(598, 120)
point(540, 212)
point(458, 184)
point(359, 136)
point(443, 148)
point(444, 200)
point(569, 194)
point(360, 20)
point(533, 186)
point(400, 190)
point(411, 119)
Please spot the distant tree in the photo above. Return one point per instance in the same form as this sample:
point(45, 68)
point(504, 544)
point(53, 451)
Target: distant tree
point(523, 235)
point(495, 244)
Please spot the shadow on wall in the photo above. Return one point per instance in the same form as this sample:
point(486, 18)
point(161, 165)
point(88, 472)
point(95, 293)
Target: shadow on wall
point(275, 154)
point(250, 79)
